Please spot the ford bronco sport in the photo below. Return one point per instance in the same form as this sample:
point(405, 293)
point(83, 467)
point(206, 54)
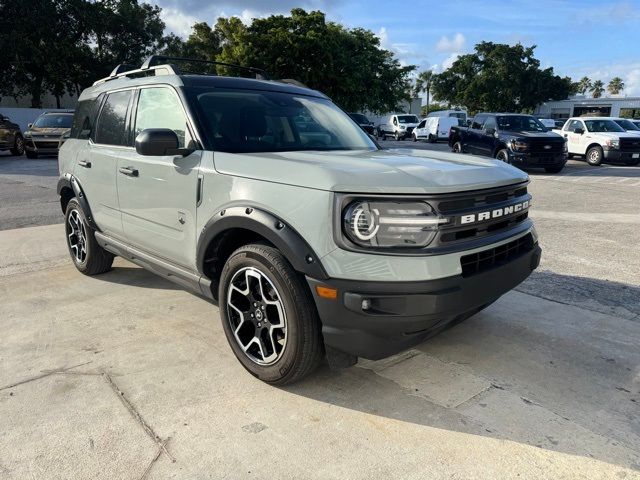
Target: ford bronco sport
point(313, 241)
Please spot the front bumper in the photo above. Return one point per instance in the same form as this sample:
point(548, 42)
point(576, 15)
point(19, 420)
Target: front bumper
point(48, 146)
point(527, 159)
point(403, 314)
point(620, 156)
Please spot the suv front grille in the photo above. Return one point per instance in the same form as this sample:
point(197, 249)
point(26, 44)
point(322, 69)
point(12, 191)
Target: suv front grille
point(486, 260)
point(630, 144)
point(541, 145)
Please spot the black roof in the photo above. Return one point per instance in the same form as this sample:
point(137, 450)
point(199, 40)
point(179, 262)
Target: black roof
point(246, 84)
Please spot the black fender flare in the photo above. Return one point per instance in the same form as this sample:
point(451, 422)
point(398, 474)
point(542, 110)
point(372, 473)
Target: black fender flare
point(285, 238)
point(69, 181)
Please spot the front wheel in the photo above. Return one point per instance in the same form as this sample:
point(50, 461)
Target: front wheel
point(457, 148)
point(398, 137)
point(18, 146)
point(268, 316)
point(594, 156)
point(503, 155)
point(87, 255)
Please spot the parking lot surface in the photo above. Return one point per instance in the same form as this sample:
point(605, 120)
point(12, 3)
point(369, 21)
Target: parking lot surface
point(124, 375)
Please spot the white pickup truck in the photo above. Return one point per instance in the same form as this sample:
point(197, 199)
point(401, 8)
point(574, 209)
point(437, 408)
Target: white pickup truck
point(600, 139)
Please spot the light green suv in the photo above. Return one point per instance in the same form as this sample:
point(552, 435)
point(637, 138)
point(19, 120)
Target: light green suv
point(268, 199)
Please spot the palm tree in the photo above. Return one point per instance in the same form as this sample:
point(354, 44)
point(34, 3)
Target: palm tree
point(616, 85)
point(597, 89)
point(584, 85)
point(423, 84)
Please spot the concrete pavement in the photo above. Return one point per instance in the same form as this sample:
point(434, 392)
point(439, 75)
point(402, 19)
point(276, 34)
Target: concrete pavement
point(118, 375)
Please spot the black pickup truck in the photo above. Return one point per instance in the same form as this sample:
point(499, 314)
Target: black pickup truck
point(513, 138)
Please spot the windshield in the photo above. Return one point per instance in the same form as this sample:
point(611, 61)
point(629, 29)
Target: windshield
point(603, 126)
point(627, 125)
point(358, 117)
point(408, 119)
point(260, 121)
point(461, 115)
point(53, 121)
point(520, 123)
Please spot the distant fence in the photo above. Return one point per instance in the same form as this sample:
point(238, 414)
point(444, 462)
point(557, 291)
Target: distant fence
point(25, 116)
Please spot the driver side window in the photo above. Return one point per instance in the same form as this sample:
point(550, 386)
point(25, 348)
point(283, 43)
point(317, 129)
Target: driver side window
point(574, 124)
point(160, 107)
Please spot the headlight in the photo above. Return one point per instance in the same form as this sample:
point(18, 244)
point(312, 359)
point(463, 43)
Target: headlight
point(402, 127)
point(612, 143)
point(518, 146)
point(27, 134)
point(388, 224)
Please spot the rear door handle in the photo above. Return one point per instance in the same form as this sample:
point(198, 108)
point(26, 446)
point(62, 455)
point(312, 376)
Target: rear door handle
point(129, 171)
point(84, 163)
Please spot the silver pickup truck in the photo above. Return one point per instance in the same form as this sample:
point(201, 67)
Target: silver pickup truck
point(311, 239)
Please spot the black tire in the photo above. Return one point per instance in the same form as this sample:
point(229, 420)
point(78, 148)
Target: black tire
point(503, 155)
point(432, 138)
point(569, 156)
point(303, 347)
point(380, 134)
point(457, 147)
point(556, 169)
point(594, 156)
point(31, 154)
point(414, 138)
point(398, 137)
point(18, 146)
point(96, 259)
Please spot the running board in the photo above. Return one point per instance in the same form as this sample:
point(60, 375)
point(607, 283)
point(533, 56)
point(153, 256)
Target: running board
point(196, 283)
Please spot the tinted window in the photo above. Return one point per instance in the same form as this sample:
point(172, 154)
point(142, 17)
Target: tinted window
point(478, 120)
point(111, 128)
point(520, 123)
point(358, 117)
point(490, 123)
point(603, 126)
point(422, 123)
point(573, 125)
point(84, 118)
point(408, 119)
point(161, 108)
point(627, 125)
point(263, 121)
point(53, 121)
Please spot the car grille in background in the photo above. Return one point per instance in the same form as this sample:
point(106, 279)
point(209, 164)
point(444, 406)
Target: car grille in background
point(630, 144)
point(486, 260)
point(539, 145)
point(46, 144)
point(410, 129)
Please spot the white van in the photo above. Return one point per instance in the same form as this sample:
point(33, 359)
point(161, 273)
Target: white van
point(433, 129)
point(461, 114)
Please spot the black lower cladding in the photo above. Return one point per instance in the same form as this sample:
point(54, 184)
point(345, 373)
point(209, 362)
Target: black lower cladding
point(376, 319)
point(538, 159)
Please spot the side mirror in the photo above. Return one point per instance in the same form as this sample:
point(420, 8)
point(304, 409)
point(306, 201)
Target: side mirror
point(29, 125)
point(579, 131)
point(158, 142)
point(490, 131)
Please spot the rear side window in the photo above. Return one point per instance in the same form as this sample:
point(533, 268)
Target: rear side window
point(112, 123)
point(84, 118)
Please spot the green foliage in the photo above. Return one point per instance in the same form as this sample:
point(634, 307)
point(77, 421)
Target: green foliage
point(433, 107)
point(583, 85)
point(616, 85)
point(597, 89)
point(502, 78)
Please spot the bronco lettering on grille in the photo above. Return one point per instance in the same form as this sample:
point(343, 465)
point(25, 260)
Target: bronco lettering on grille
point(495, 213)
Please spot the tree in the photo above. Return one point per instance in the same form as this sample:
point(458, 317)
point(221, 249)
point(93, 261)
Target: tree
point(347, 64)
point(616, 85)
point(500, 77)
point(584, 85)
point(597, 89)
point(423, 85)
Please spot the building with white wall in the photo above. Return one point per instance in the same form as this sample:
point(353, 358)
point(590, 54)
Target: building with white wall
point(628, 107)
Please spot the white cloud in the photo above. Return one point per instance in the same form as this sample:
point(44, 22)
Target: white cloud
point(455, 44)
point(447, 62)
point(178, 22)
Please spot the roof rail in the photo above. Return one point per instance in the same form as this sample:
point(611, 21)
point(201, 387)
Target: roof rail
point(155, 60)
point(120, 71)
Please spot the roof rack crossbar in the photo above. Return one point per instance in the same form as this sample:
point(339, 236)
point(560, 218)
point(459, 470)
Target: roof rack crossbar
point(119, 72)
point(155, 60)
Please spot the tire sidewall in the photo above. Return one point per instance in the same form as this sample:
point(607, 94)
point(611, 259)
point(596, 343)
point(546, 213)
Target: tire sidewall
point(294, 317)
point(74, 205)
point(503, 152)
point(600, 155)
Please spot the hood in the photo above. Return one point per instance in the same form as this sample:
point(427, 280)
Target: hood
point(379, 171)
point(549, 135)
point(49, 132)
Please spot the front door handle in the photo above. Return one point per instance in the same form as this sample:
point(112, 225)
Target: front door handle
point(129, 171)
point(84, 163)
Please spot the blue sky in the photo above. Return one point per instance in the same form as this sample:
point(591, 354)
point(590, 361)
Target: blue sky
point(600, 39)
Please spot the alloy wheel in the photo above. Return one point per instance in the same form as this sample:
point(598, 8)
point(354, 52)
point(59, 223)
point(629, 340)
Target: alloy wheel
point(256, 316)
point(19, 145)
point(77, 235)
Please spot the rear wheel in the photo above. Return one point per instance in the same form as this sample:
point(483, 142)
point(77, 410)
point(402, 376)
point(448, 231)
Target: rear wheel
point(268, 316)
point(432, 138)
point(594, 156)
point(457, 148)
point(87, 255)
point(18, 146)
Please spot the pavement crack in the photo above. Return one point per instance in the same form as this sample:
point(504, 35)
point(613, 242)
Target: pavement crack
point(161, 448)
point(138, 417)
point(44, 374)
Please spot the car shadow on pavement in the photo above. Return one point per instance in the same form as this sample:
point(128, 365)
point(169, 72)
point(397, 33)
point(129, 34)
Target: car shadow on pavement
point(526, 370)
point(137, 276)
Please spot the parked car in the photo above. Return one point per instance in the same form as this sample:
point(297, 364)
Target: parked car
point(433, 129)
point(461, 114)
point(600, 139)
point(512, 138)
point(627, 125)
point(10, 136)
point(277, 225)
point(549, 123)
point(398, 126)
point(364, 122)
point(636, 123)
point(44, 134)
